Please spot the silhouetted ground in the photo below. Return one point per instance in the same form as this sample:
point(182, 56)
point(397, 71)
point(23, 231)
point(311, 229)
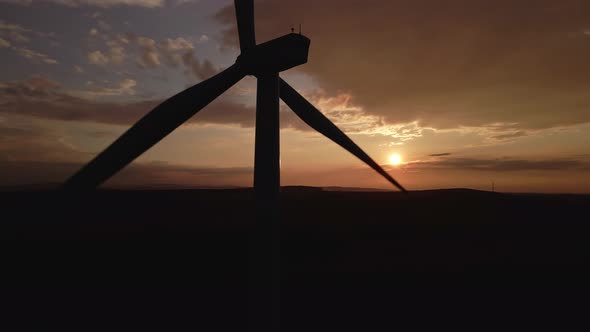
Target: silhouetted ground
point(185, 253)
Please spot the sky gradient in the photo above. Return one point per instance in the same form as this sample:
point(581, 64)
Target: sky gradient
point(466, 92)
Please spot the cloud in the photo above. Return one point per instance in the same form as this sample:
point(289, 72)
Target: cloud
point(96, 3)
point(440, 154)
point(23, 142)
point(97, 58)
point(12, 36)
point(148, 57)
point(174, 45)
point(103, 25)
point(200, 69)
point(34, 56)
point(146, 42)
point(502, 165)
point(352, 119)
point(518, 133)
point(184, 2)
point(175, 52)
point(124, 87)
point(19, 34)
point(116, 53)
point(14, 32)
point(43, 98)
point(4, 43)
point(149, 53)
point(444, 64)
point(172, 49)
point(181, 51)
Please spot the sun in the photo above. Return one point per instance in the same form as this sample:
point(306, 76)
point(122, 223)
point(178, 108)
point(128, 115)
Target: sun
point(395, 159)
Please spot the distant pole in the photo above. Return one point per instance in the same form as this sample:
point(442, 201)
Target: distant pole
point(493, 187)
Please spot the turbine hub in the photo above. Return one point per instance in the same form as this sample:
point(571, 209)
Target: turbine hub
point(276, 55)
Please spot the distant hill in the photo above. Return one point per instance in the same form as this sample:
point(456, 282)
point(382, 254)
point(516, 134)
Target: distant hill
point(295, 188)
point(354, 189)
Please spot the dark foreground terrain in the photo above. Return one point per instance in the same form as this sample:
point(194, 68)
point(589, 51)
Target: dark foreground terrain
point(181, 257)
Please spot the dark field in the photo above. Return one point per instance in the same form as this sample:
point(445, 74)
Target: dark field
point(186, 252)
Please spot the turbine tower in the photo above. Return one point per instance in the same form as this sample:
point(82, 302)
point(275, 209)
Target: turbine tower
point(265, 61)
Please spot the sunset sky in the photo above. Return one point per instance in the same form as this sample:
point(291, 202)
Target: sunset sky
point(466, 92)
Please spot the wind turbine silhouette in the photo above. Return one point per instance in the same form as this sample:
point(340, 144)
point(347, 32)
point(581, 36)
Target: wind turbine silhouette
point(264, 61)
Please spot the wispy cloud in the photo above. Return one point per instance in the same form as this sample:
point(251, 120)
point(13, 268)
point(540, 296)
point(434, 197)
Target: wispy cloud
point(14, 32)
point(502, 165)
point(13, 36)
point(124, 87)
point(4, 43)
point(43, 98)
point(34, 56)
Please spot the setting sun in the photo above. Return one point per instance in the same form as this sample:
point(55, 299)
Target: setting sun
point(395, 159)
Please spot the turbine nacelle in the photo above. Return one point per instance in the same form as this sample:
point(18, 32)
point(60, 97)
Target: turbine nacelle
point(275, 55)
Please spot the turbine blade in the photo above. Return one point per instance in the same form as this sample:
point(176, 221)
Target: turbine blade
point(245, 18)
point(152, 128)
point(315, 119)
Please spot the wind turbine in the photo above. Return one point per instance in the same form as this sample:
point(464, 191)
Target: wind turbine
point(264, 61)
